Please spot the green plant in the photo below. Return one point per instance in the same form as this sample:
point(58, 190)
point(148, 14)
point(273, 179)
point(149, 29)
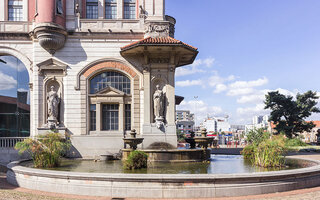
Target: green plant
point(46, 150)
point(136, 160)
point(180, 136)
point(295, 142)
point(265, 151)
point(257, 135)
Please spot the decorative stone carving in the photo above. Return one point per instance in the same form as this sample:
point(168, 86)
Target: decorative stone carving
point(158, 101)
point(157, 29)
point(51, 36)
point(53, 101)
point(52, 67)
point(143, 13)
point(159, 60)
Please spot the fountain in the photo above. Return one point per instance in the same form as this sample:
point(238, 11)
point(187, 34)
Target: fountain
point(166, 154)
point(133, 141)
point(203, 140)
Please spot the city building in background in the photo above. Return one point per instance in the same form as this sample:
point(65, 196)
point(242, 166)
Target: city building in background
point(185, 121)
point(217, 125)
point(258, 122)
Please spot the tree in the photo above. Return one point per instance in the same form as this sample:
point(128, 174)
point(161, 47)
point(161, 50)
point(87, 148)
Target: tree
point(288, 114)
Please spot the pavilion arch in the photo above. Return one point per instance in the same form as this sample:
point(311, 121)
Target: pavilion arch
point(8, 51)
point(83, 84)
point(112, 63)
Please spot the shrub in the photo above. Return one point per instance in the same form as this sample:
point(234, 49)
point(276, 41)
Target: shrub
point(263, 150)
point(257, 136)
point(136, 160)
point(295, 142)
point(46, 150)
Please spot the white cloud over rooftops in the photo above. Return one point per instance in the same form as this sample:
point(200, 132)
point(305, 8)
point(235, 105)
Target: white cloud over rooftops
point(7, 82)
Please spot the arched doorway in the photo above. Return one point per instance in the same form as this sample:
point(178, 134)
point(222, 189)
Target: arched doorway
point(14, 98)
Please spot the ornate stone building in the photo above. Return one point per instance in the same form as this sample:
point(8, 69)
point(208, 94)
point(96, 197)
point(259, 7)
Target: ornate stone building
point(94, 67)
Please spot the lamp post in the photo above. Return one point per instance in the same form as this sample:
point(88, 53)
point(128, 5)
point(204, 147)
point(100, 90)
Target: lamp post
point(195, 116)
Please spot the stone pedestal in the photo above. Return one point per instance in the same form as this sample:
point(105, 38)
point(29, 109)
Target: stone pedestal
point(152, 134)
point(45, 130)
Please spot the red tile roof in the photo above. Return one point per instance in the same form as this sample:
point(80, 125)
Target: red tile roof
point(162, 41)
point(317, 123)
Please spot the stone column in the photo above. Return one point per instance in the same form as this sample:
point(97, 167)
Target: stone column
point(147, 97)
point(98, 116)
point(2, 11)
point(101, 9)
point(25, 10)
point(121, 117)
point(120, 9)
point(170, 114)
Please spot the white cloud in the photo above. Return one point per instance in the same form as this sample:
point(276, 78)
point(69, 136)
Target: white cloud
point(208, 62)
point(216, 79)
point(240, 91)
point(253, 98)
point(249, 84)
point(187, 83)
point(201, 109)
point(220, 88)
point(252, 111)
point(14, 63)
point(183, 71)
point(195, 67)
point(7, 82)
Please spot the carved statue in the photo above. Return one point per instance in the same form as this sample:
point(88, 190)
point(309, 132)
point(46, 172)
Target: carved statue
point(158, 103)
point(53, 101)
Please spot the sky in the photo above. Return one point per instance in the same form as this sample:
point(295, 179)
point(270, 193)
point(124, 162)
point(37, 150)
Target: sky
point(246, 49)
point(13, 77)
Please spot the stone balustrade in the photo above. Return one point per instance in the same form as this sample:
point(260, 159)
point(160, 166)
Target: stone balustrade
point(13, 26)
point(10, 142)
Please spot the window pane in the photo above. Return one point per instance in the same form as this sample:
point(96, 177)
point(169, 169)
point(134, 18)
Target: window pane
point(14, 98)
point(129, 9)
point(92, 117)
point(107, 79)
point(110, 118)
point(15, 10)
point(128, 117)
point(111, 9)
point(92, 9)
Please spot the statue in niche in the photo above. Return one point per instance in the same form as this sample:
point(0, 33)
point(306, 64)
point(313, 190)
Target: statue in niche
point(158, 100)
point(53, 101)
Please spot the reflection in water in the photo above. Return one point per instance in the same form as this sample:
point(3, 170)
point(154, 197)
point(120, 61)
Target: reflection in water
point(220, 164)
point(14, 98)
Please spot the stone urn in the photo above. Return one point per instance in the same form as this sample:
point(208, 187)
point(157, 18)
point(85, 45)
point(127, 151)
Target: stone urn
point(203, 140)
point(133, 141)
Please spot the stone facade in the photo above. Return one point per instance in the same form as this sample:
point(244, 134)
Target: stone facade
point(69, 50)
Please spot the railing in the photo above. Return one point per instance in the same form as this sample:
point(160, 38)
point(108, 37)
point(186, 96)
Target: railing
point(10, 142)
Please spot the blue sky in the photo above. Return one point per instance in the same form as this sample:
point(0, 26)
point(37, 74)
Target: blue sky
point(246, 48)
point(13, 76)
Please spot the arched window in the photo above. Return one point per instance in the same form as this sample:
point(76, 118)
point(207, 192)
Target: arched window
point(14, 98)
point(110, 79)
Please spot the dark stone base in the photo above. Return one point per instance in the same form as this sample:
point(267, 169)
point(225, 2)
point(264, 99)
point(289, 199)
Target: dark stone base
point(173, 155)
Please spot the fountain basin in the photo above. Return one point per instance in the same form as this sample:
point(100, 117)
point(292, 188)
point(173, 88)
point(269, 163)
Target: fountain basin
point(120, 185)
point(172, 155)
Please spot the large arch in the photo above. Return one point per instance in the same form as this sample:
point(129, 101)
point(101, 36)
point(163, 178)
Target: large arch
point(96, 67)
point(15, 99)
point(111, 63)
